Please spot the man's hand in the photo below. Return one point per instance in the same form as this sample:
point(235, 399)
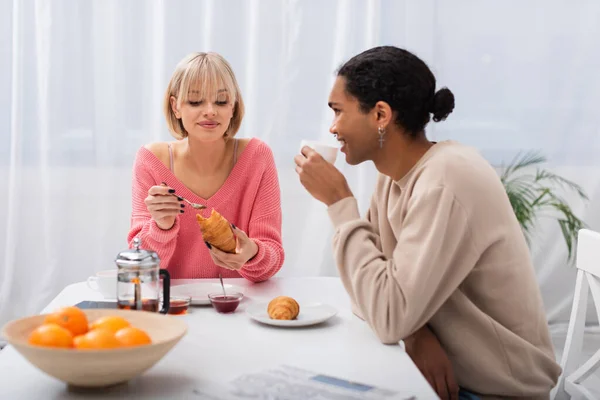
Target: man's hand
point(427, 353)
point(320, 178)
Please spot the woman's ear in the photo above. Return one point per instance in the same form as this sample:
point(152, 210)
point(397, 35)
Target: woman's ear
point(174, 107)
point(383, 113)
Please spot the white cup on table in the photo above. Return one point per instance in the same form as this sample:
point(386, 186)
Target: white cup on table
point(105, 283)
point(327, 151)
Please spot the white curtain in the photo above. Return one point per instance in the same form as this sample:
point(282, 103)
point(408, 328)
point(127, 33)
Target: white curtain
point(81, 84)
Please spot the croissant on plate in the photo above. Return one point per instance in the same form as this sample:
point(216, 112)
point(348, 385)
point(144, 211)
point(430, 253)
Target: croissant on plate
point(283, 307)
point(216, 230)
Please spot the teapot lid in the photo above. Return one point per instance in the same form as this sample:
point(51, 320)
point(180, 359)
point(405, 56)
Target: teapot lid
point(136, 257)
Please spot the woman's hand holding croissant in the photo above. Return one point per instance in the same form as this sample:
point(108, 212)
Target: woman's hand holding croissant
point(245, 249)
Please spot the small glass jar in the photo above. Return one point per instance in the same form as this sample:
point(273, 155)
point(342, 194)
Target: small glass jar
point(138, 280)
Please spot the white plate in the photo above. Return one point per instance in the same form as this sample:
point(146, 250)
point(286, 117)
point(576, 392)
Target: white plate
point(310, 314)
point(199, 291)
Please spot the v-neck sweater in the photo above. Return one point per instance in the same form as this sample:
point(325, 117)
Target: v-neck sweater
point(249, 198)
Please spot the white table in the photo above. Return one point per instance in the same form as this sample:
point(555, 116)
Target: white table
point(221, 347)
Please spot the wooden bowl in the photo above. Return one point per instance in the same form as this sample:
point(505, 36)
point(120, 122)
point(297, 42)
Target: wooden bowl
point(97, 368)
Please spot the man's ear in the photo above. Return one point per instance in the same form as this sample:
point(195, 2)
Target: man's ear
point(383, 114)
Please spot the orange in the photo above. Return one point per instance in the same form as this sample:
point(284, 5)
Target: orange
point(97, 339)
point(132, 337)
point(71, 318)
point(51, 335)
point(111, 323)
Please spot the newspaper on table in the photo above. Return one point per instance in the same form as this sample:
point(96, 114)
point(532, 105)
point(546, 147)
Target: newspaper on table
point(291, 383)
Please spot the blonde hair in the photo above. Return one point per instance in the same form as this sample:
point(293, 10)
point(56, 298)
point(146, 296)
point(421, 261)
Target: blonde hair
point(209, 72)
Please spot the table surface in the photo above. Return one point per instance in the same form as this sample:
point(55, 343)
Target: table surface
point(221, 347)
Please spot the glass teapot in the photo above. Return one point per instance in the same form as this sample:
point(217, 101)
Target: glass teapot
point(138, 280)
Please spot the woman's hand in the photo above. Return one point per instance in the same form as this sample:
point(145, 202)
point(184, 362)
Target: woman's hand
point(320, 178)
point(245, 249)
point(163, 206)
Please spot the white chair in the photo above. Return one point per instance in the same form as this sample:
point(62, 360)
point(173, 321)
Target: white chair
point(588, 278)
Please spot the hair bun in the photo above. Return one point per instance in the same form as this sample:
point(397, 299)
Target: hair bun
point(443, 104)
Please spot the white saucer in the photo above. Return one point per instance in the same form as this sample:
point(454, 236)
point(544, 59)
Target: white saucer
point(310, 314)
point(199, 291)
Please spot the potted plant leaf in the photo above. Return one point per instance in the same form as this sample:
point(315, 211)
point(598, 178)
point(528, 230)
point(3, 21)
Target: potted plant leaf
point(535, 192)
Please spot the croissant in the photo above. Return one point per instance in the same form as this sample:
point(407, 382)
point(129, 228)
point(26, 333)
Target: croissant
point(216, 230)
point(283, 307)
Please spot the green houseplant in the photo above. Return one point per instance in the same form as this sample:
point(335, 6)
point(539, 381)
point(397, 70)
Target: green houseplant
point(534, 192)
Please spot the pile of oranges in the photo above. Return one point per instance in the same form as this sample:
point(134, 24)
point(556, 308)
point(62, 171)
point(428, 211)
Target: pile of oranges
point(68, 327)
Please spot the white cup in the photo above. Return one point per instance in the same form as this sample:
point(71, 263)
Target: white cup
point(104, 282)
point(327, 151)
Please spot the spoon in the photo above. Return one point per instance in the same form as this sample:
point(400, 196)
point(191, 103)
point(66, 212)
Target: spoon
point(222, 286)
point(181, 198)
point(194, 205)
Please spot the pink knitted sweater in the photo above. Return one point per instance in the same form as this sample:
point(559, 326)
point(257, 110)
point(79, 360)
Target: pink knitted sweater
point(249, 198)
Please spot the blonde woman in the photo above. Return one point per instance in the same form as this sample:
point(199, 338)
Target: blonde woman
point(206, 164)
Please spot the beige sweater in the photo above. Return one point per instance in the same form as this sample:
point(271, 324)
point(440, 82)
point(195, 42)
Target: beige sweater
point(442, 246)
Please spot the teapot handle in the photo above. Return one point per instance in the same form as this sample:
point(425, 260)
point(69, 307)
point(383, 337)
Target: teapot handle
point(166, 290)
